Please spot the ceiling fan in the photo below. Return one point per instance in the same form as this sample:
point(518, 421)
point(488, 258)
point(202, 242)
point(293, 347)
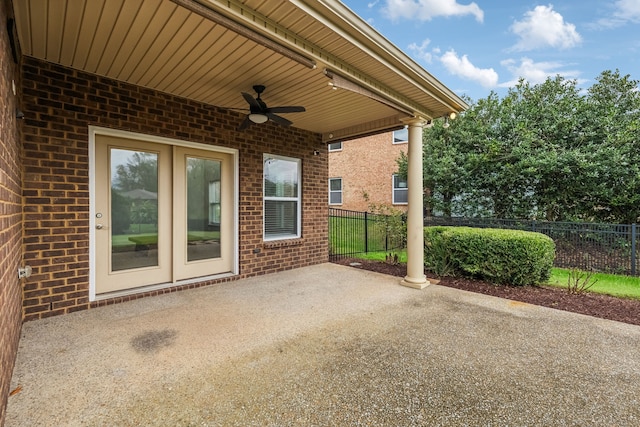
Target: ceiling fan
point(260, 113)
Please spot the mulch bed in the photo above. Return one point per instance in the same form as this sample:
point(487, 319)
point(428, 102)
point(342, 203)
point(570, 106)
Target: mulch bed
point(597, 305)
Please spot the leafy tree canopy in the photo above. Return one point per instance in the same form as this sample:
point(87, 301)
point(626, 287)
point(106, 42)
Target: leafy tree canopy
point(548, 151)
point(140, 171)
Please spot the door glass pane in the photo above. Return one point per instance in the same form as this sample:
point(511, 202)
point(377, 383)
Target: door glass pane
point(203, 208)
point(134, 209)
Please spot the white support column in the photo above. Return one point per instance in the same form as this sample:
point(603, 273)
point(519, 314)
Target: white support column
point(415, 277)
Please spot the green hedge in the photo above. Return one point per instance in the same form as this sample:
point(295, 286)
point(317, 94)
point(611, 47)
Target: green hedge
point(501, 256)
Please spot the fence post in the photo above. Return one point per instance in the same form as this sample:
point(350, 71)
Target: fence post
point(633, 249)
point(366, 232)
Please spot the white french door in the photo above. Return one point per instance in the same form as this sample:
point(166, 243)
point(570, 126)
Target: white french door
point(163, 213)
point(203, 213)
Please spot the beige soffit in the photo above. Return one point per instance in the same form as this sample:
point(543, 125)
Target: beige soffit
point(211, 50)
point(337, 18)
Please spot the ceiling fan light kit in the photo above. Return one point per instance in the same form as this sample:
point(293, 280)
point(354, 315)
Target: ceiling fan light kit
point(260, 113)
point(258, 118)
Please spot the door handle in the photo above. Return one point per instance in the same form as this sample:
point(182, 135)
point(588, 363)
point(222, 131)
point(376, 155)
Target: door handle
point(99, 226)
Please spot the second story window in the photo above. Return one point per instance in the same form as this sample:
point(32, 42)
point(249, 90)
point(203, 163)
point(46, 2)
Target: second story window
point(401, 136)
point(335, 146)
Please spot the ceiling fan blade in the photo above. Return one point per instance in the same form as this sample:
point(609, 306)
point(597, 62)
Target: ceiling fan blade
point(251, 101)
point(280, 120)
point(286, 109)
point(245, 123)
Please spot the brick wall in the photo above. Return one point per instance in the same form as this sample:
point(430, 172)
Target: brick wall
point(60, 103)
point(366, 165)
point(10, 215)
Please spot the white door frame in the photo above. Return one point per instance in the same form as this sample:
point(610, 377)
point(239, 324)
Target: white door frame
point(95, 130)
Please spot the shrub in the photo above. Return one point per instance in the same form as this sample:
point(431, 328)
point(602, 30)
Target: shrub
point(501, 256)
point(437, 256)
point(579, 281)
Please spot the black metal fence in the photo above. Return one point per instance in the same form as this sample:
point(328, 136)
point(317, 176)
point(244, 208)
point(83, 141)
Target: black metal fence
point(353, 232)
point(611, 248)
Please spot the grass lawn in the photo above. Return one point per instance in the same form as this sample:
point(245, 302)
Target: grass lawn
point(347, 236)
point(126, 242)
point(381, 256)
point(609, 284)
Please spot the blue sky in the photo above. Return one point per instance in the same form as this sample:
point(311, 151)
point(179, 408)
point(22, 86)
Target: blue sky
point(476, 47)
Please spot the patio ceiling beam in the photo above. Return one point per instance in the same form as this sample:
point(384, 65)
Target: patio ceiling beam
point(213, 16)
point(373, 127)
point(340, 82)
point(254, 22)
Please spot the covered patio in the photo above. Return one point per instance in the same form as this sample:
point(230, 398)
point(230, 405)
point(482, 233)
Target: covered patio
point(238, 84)
point(297, 348)
point(227, 104)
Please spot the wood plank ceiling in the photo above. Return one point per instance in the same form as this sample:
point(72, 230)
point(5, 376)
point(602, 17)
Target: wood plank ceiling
point(162, 45)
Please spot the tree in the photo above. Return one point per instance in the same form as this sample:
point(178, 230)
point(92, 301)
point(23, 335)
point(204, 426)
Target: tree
point(547, 148)
point(202, 174)
point(546, 151)
point(139, 172)
point(120, 212)
point(613, 128)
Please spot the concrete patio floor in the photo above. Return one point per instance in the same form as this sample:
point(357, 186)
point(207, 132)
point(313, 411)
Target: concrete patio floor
point(325, 345)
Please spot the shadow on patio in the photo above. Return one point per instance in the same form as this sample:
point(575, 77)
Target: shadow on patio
point(325, 345)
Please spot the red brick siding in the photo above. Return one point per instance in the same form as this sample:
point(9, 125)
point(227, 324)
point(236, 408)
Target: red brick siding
point(10, 215)
point(60, 103)
point(366, 165)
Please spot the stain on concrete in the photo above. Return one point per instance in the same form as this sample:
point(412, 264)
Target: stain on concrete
point(153, 341)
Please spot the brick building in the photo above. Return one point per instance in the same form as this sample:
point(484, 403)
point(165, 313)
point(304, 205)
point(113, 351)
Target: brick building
point(363, 172)
point(136, 160)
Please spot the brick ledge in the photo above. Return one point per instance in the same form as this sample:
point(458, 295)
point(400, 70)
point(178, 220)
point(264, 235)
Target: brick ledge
point(283, 243)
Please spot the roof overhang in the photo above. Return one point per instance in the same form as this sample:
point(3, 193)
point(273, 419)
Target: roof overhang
point(316, 53)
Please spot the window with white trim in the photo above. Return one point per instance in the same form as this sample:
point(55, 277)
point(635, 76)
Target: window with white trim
point(401, 136)
point(282, 197)
point(335, 146)
point(335, 191)
point(400, 190)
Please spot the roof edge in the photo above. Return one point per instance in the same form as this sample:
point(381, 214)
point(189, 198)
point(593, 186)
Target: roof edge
point(380, 45)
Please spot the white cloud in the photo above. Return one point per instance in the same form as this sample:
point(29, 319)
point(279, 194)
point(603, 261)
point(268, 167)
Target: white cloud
point(425, 10)
point(421, 52)
point(624, 11)
point(372, 4)
point(535, 72)
point(544, 27)
point(628, 10)
point(463, 68)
